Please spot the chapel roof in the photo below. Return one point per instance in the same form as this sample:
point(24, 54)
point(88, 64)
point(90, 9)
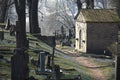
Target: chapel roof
point(98, 15)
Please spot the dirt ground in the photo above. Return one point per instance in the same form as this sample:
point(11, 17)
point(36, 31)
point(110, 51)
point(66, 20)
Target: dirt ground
point(96, 73)
point(93, 68)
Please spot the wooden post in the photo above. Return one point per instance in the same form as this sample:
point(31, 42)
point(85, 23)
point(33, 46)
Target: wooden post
point(53, 64)
point(48, 62)
point(117, 59)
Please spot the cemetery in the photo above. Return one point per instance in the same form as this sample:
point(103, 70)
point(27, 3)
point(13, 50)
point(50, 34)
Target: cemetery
point(68, 70)
point(59, 40)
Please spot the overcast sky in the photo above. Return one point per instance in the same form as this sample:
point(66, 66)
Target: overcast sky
point(49, 10)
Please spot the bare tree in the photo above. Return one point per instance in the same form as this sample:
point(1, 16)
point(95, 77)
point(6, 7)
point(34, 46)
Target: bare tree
point(118, 7)
point(63, 17)
point(79, 4)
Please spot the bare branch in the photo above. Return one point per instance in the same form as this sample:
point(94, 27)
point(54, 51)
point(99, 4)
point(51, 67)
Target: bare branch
point(63, 24)
point(10, 4)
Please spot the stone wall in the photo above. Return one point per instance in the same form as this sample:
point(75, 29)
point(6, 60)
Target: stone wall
point(100, 36)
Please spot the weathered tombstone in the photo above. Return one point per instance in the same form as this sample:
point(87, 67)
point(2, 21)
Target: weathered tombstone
point(42, 62)
point(32, 78)
point(2, 59)
point(1, 56)
point(2, 26)
point(1, 35)
point(8, 25)
point(34, 62)
point(48, 62)
point(12, 30)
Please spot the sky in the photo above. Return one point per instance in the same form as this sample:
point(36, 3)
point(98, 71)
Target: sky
point(49, 10)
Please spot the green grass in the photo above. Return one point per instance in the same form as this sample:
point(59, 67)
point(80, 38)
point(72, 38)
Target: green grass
point(109, 73)
point(70, 68)
point(108, 70)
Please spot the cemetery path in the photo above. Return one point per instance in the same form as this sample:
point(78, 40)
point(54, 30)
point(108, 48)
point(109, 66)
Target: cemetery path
point(95, 72)
point(92, 67)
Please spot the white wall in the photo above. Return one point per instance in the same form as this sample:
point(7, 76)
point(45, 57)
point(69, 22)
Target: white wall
point(83, 27)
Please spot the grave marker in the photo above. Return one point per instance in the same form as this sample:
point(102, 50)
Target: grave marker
point(2, 26)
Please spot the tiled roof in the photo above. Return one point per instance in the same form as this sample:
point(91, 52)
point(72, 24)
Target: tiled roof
point(98, 15)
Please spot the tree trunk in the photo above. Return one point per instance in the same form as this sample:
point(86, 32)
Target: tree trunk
point(3, 10)
point(79, 5)
point(118, 7)
point(33, 16)
point(20, 59)
point(90, 4)
point(30, 12)
point(20, 9)
point(19, 67)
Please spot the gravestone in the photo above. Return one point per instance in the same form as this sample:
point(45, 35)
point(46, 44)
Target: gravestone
point(8, 25)
point(34, 62)
point(32, 78)
point(42, 56)
point(12, 30)
point(48, 62)
point(1, 57)
point(1, 35)
point(2, 26)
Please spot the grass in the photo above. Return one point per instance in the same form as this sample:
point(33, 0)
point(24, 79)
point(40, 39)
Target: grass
point(5, 71)
point(109, 73)
point(105, 62)
point(108, 67)
point(70, 68)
